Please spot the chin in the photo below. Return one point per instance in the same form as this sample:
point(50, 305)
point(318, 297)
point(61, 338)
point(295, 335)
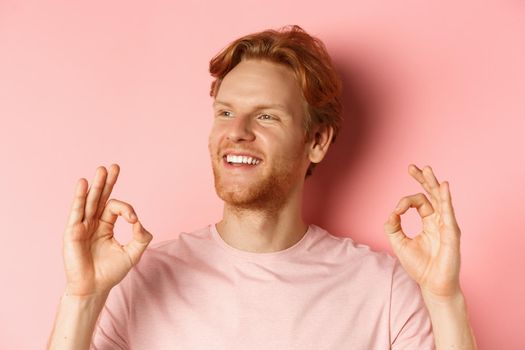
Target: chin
point(266, 195)
point(268, 191)
point(242, 197)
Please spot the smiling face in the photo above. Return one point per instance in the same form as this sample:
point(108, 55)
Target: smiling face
point(257, 143)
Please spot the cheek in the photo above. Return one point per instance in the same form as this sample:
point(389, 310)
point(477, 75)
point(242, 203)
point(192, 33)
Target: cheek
point(290, 153)
point(298, 153)
point(212, 147)
point(213, 138)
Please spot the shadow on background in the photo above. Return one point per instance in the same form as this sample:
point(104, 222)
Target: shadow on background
point(322, 190)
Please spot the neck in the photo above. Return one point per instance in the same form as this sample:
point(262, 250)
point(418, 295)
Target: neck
point(263, 230)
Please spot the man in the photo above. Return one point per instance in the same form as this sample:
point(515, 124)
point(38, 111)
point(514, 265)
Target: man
point(261, 277)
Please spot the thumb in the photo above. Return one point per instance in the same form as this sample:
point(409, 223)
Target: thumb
point(137, 246)
point(395, 233)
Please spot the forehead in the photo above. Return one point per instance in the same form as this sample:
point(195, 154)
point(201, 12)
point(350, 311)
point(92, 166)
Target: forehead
point(260, 82)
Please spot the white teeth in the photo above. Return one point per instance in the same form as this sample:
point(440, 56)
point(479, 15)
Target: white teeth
point(242, 159)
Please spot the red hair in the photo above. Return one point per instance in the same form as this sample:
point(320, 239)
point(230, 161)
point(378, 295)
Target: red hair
point(308, 59)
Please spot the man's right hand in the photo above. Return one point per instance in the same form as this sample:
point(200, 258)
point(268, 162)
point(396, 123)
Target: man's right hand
point(93, 259)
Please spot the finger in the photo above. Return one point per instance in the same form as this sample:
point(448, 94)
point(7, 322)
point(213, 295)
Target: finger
point(76, 214)
point(94, 192)
point(111, 179)
point(394, 232)
point(448, 216)
point(115, 208)
point(418, 201)
point(141, 239)
point(433, 183)
point(418, 175)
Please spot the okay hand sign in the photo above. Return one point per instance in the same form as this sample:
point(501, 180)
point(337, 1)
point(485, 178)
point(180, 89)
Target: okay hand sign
point(93, 259)
point(432, 258)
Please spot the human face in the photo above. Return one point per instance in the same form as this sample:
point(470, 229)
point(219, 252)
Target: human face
point(258, 113)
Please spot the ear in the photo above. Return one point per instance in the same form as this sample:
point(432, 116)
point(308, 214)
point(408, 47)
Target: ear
point(321, 140)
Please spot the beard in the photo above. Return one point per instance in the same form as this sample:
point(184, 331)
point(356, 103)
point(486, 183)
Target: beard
point(268, 191)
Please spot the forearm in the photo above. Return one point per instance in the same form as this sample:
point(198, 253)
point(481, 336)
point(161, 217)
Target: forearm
point(75, 322)
point(450, 322)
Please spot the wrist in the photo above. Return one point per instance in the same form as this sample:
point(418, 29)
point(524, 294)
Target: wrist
point(85, 293)
point(75, 320)
point(450, 321)
point(91, 301)
point(455, 300)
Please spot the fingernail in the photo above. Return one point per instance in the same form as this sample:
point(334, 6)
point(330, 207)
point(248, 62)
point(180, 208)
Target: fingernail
point(132, 216)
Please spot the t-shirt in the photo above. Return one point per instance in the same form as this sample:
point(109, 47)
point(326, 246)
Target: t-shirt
point(325, 292)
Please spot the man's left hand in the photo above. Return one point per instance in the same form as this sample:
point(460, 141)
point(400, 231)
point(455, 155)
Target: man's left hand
point(432, 258)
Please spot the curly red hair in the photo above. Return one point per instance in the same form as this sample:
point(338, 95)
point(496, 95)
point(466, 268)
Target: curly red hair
point(308, 59)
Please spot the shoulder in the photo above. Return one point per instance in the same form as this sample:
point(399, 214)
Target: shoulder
point(350, 253)
point(182, 240)
point(183, 249)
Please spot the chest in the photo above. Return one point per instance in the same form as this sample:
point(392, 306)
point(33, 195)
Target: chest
point(262, 309)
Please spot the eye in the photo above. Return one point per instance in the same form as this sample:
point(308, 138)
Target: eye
point(265, 117)
point(225, 114)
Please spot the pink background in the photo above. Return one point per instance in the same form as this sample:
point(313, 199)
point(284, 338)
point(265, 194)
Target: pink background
point(84, 84)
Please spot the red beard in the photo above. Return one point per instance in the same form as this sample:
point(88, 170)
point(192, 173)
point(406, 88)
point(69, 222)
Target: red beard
point(268, 190)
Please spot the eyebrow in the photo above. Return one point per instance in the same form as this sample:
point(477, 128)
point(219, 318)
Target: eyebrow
point(257, 107)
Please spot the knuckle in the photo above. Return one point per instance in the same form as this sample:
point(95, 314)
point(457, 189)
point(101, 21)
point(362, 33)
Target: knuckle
point(406, 199)
point(118, 206)
point(129, 207)
point(123, 207)
point(97, 186)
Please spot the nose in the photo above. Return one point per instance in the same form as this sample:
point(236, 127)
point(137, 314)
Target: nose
point(240, 129)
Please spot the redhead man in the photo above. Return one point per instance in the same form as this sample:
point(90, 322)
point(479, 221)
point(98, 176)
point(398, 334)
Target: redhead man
point(262, 278)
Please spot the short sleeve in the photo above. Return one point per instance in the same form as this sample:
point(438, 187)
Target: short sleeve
point(410, 325)
point(111, 328)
